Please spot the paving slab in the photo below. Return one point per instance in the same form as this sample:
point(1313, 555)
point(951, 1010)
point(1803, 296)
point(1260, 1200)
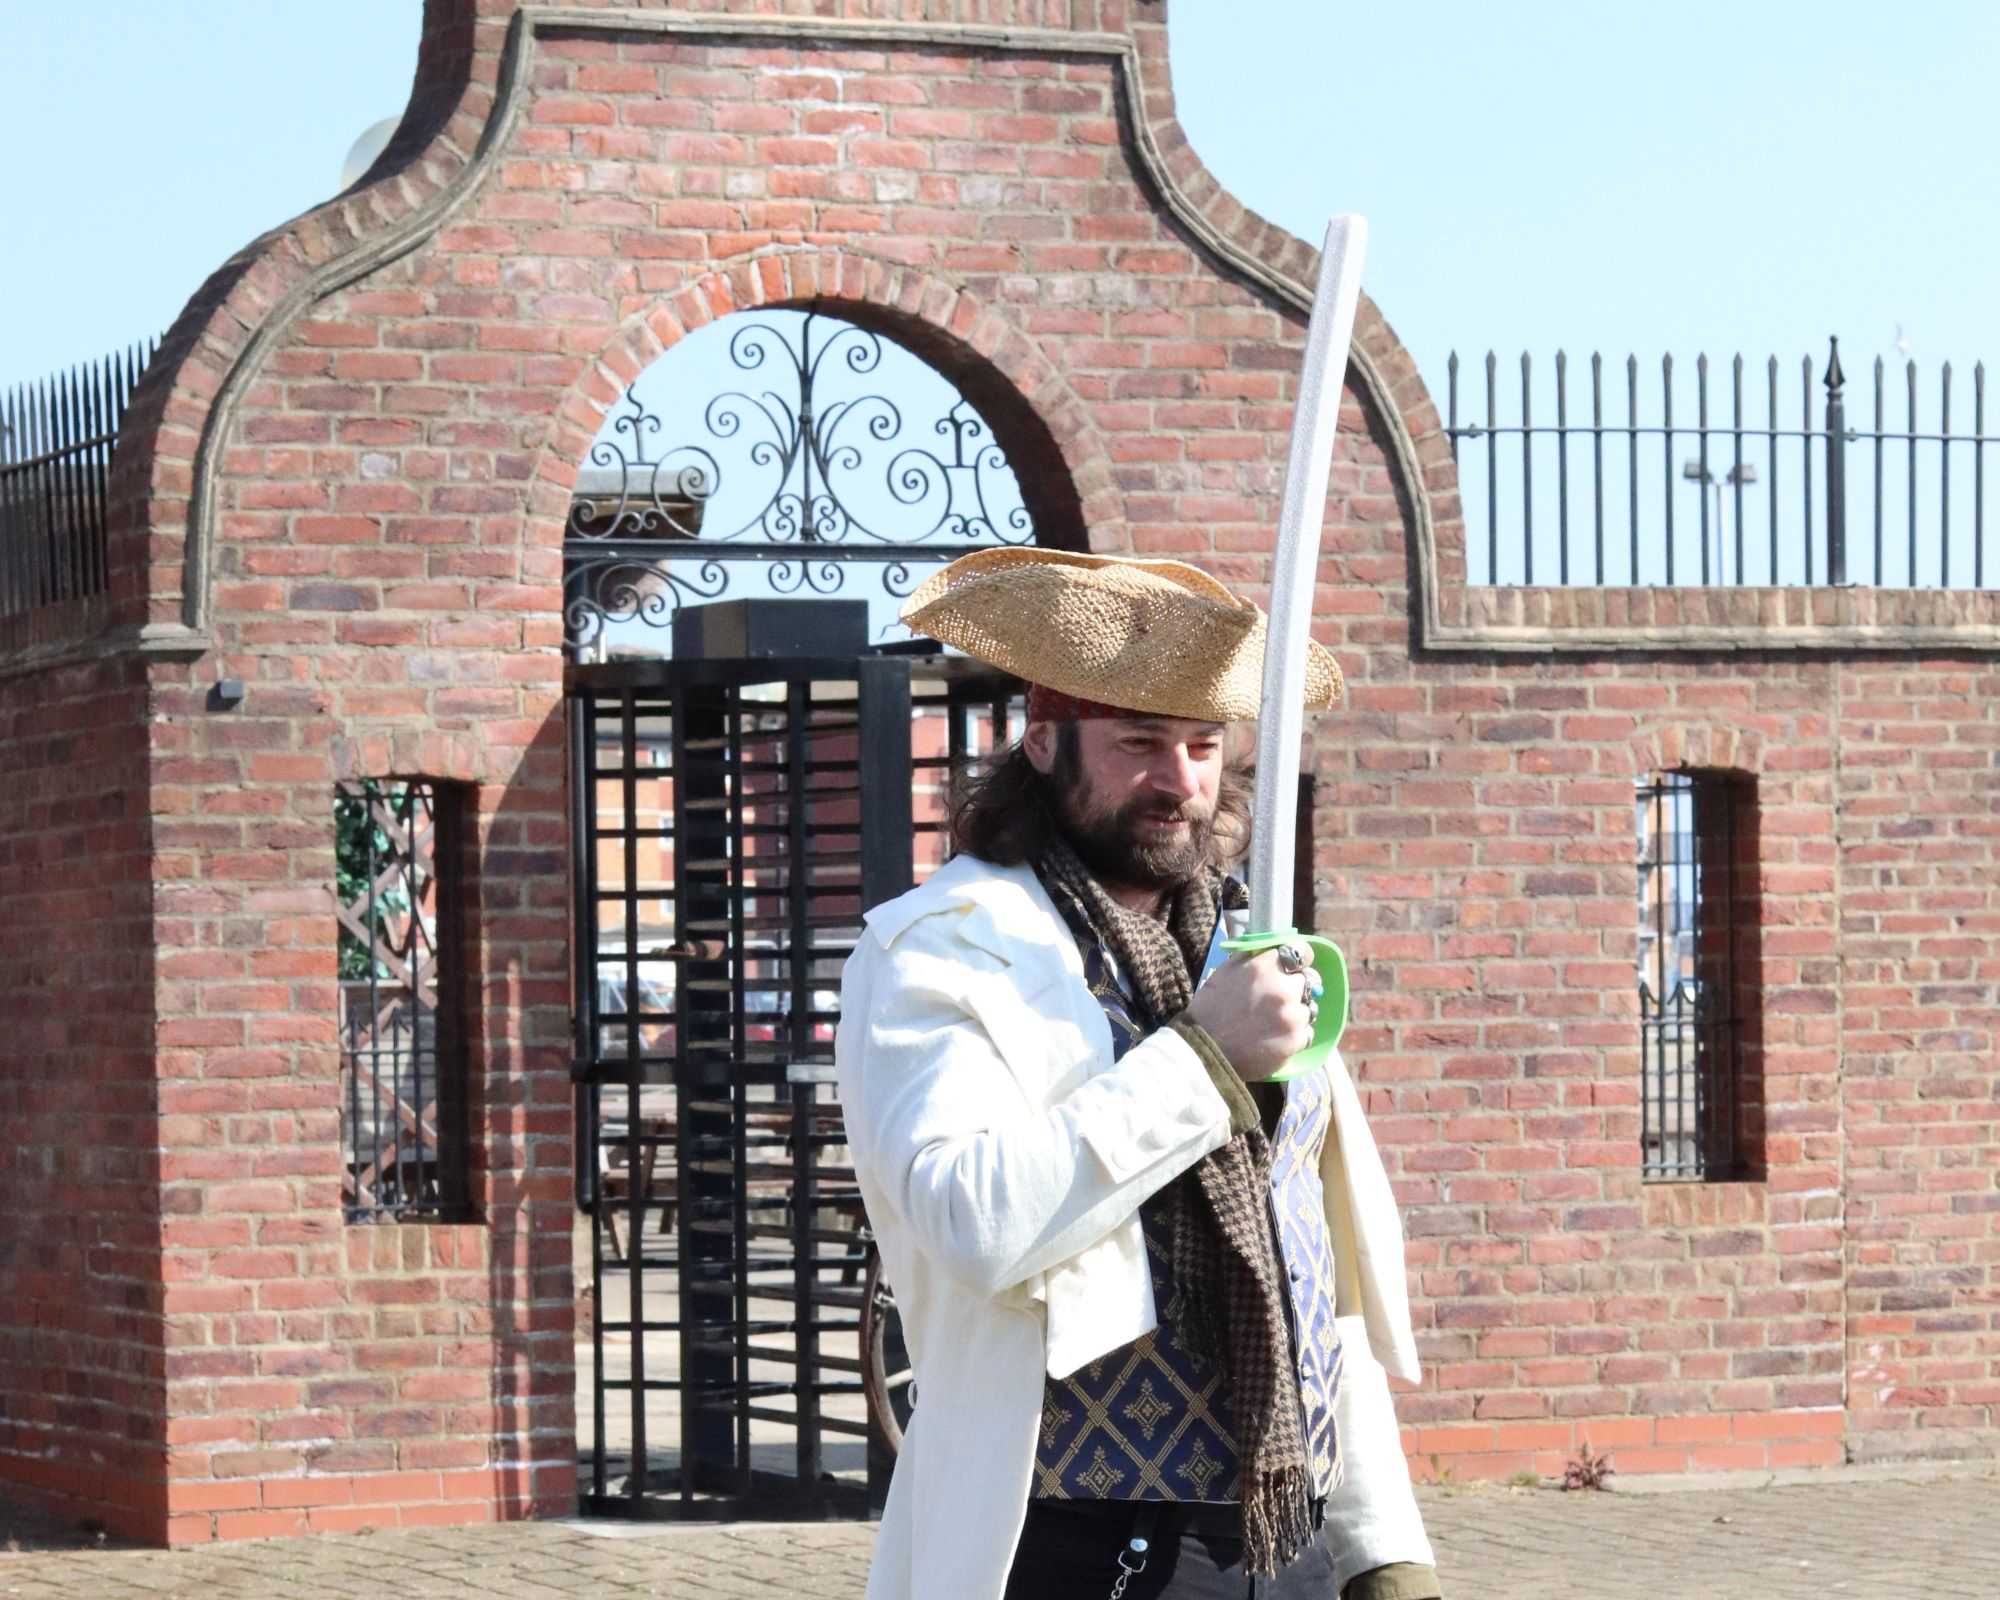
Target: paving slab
point(1929, 1537)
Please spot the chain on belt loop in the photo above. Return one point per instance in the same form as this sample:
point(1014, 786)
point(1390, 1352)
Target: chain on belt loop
point(1132, 1559)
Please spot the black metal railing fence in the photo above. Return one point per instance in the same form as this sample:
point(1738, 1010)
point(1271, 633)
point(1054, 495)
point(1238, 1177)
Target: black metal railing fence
point(1725, 498)
point(56, 438)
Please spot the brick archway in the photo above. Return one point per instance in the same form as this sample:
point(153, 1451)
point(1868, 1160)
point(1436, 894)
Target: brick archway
point(1065, 472)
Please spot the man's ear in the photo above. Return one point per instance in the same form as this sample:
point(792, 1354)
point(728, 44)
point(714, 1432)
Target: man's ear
point(1039, 743)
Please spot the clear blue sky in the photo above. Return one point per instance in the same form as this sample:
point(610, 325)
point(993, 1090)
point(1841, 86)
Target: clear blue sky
point(1751, 175)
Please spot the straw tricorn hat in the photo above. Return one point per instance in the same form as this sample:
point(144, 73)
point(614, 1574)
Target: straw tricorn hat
point(1155, 636)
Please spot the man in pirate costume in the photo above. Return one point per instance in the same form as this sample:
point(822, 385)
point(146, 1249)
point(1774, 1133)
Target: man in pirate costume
point(1150, 1300)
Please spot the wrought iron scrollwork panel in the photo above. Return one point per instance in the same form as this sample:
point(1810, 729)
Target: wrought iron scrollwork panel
point(807, 461)
point(603, 587)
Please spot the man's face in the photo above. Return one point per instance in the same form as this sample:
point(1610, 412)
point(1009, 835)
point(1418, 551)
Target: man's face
point(1138, 793)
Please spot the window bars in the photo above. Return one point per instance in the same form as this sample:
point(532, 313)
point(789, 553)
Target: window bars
point(402, 1054)
point(56, 438)
point(1643, 498)
point(723, 871)
point(736, 818)
point(1690, 1024)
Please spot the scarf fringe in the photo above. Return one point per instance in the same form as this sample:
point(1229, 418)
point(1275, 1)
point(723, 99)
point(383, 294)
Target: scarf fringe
point(1277, 1521)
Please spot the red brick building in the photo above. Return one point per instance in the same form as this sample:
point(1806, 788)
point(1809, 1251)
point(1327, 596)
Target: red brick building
point(344, 482)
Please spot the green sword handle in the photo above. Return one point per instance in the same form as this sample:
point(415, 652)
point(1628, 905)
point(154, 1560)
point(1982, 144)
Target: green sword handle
point(1331, 966)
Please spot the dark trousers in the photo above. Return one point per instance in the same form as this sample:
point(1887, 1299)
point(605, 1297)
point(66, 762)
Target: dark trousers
point(1069, 1551)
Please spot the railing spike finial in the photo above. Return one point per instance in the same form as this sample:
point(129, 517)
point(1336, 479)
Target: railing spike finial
point(1836, 474)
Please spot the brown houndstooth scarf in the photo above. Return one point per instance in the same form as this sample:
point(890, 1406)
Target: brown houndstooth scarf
point(1229, 1286)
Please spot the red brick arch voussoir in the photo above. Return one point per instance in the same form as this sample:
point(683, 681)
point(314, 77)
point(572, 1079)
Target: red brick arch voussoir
point(1698, 746)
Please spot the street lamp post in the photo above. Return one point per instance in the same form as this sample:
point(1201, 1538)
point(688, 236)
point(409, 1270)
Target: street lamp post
point(1742, 473)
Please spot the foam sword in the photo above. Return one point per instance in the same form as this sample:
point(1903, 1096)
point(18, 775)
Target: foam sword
point(1294, 573)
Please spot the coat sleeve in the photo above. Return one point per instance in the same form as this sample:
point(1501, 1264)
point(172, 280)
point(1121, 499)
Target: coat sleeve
point(995, 1184)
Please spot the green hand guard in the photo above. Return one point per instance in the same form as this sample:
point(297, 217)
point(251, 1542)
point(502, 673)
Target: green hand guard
point(1331, 966)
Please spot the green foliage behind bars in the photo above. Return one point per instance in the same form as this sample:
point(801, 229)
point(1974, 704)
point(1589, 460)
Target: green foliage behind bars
point(360, 844)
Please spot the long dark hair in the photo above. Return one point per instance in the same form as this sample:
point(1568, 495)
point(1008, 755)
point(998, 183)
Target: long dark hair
point(1003, 811)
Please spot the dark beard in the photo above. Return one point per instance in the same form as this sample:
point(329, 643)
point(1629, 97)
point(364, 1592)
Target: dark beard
point(1110, 847)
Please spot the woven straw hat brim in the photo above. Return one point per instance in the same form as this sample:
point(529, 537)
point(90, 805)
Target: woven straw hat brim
point(1156, 636)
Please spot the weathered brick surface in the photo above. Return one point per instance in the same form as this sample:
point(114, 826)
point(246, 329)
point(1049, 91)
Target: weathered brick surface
point(79, 1194)
point(1476, 855)
point(389, 474)
point(1920, 932)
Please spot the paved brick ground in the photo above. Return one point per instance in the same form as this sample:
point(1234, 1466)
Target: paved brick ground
point(1849, 1535)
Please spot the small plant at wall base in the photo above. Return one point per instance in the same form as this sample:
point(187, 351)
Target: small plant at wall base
point(1587, 1471)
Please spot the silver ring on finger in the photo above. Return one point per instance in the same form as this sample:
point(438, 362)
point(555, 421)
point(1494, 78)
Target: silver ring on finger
point(1291, 959)
point(1312, 1012)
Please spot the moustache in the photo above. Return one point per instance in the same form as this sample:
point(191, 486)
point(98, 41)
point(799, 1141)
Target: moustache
point(1164, 811)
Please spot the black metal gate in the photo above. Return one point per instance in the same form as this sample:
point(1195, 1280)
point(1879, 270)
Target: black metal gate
point(733, 821)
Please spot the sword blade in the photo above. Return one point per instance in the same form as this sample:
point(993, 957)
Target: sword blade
point(1294, 571)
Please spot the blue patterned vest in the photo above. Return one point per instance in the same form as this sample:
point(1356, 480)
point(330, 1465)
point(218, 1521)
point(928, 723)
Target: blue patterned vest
point(1151, 1420)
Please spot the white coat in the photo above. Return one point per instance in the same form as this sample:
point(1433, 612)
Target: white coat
point(1002, 1156)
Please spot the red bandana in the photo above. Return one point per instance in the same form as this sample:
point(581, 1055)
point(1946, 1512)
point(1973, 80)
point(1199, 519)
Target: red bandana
point(1051, 705)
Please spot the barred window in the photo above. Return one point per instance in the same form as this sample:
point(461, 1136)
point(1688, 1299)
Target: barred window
point(1697, 973)
point(402, 1052)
